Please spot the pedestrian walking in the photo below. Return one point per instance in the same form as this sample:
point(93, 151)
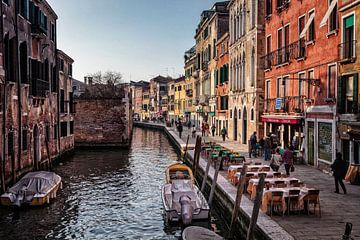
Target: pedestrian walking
point(223, 133)
point(172, 122)
point(288, 160)
point(189, 124)
point(339, 168)
point(253, 141)
point(207, 129)
point(203, 129)
point(193, 132)
point(180, 128)
point(275, 160)
point(213, 130)
point(261, 147)
point(267, 149)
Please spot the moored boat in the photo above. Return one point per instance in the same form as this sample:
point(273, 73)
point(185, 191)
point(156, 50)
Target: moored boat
point(34, 189)
point(182, 199)
point(199, 233)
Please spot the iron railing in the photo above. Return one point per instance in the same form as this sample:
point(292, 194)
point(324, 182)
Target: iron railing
point(290, 104)
point(348, 50)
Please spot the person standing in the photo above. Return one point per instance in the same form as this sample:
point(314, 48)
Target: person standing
point(267, 149)
point(203, 129)
point(180, 128)
point(275, 160)
point(213, 130)
point(339, 168)
point(288, 160)
point(253, 141)
point(223, 133)
point(193, 131)
point(207, 129)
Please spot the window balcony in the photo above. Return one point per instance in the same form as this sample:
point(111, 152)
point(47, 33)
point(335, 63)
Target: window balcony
point(348, 51)
point(289, 104)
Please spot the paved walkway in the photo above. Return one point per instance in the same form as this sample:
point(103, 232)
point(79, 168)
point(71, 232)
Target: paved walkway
point(336, 209)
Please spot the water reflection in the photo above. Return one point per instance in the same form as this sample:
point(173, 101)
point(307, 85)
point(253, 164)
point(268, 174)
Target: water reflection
point(106, 195)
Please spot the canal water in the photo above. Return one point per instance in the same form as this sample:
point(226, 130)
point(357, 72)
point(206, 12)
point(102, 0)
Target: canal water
point(105, 195)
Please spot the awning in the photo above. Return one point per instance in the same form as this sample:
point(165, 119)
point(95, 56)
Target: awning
point(282, 119)
point(307, 25)
point(327, 14)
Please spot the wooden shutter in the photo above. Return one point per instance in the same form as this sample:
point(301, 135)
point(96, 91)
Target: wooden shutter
point(341, 95)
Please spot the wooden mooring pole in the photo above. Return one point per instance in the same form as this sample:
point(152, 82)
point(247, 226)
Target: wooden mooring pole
point(203, 184)
point(239, 193)
point(257, 204)
point(186, 148)
point(213, 185)
point(197, 155)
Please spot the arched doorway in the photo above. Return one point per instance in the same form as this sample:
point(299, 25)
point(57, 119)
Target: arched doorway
point(235, 125)
point(36, 139)
point(244, 132)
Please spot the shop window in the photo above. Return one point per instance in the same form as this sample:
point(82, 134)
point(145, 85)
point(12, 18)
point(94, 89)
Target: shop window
point(325, 141)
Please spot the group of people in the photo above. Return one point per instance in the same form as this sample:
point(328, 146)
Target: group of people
point(285, 157)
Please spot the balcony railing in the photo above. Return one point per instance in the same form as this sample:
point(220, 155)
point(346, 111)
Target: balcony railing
point(348, 50)
point(295, 50)
point(289, 104)
point(39, 87)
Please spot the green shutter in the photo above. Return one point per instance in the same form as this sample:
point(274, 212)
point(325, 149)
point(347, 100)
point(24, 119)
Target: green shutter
point(222, 75)
point(216, 77)
point(349, 21)
point(226, 73)
point(341, 95)
point(356, 93)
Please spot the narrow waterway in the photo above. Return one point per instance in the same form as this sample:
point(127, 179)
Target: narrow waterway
point(105, 195)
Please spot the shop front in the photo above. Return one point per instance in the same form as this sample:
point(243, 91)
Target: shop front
point(289, 130)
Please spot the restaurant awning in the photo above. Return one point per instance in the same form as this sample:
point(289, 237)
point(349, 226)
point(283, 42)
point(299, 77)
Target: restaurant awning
point(294, 120)
point(307, 25)
point(328, 12)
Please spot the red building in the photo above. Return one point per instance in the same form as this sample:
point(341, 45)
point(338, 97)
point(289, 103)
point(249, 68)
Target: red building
point(222, 82)
point(300, 75)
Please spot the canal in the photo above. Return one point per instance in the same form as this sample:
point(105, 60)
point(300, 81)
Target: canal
point(105, 195)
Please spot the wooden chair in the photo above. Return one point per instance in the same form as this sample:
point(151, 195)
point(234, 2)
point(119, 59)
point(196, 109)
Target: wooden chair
point(297, 184)
point(293, 182)
point(313, 197)
point(265, 169)
point(277, 201)
point(293, 200)
point(254, 169)
point(279, 184)
point(277, 174)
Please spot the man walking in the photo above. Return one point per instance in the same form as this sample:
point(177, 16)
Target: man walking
point(180, 128)
point(223, 133)
point(339, 168)
point(253, 141)
point(267, 149)
point(213, 130)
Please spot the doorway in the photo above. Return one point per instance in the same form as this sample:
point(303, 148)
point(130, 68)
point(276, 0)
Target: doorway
point(244, 127)
point(311, 152)
point(235, 125)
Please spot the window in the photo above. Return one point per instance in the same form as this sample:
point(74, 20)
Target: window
point(268, 7)
point(47, 133)
point(224, 101)
point(24, 8)
point(279, 46)
point(11, 143)
point(70, 70)
point(287, 43)
point(310, 76)
point(333, 18)
point(252, 115)
point(267, 89)
point(23, 63)
point(53, 32)
point(179, 88)
point(71, 102)
point(301, 24)
point(64, 129)
point(56, 131)
point(286, 89)
point(71, 127)
point(311, 30)
point(279, 92)
point(24, 142)
point(62, 101)
point(253, 13)
point(348, 48)
point(253, 68)
point(302, 84)
point(61, 65)
point(268, 44)
point(331, 81)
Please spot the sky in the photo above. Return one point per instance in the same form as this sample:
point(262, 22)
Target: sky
point(138, 38)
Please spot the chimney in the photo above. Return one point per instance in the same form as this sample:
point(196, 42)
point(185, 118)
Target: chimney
point(85, 80)
point(90, 80)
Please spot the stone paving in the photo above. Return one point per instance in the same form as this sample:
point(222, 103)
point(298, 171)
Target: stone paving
point(336, 209)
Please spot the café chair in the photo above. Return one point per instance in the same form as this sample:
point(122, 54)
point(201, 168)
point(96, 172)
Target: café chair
point(292, 182)
point(265, 169)
point(313, 198)
point(254, 169)
point(280, 184)
point(277, 202)
point(293, 200)
point(277, 174)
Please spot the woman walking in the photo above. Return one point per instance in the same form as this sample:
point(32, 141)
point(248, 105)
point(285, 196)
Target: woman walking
point(339, 168)
point(288, 159)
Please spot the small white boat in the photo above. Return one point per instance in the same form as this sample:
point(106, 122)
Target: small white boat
point(199, 233)
point(34, 189)
point(182, 199)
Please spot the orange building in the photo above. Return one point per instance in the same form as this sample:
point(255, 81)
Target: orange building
point(301, 72)
point(222, 83)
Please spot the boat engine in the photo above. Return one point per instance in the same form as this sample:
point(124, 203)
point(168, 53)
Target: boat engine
point(186, 210)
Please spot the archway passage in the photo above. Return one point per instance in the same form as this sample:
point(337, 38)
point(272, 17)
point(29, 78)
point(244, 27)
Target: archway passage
point(36, 139)
point(235, 125)
point(244, 127)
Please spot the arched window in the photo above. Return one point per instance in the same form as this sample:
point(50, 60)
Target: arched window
point(252, 114)
point(253, 13)
point(230, 113)
point(239, 113)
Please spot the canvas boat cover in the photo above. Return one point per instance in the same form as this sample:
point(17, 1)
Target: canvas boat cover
point(36, 183)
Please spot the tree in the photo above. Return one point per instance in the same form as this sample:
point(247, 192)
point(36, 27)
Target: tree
point(105, 85)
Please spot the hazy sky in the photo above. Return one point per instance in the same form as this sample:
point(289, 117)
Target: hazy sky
point(139, 38)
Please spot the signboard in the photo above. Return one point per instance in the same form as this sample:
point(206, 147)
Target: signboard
point(281, 120)
point(278, 103)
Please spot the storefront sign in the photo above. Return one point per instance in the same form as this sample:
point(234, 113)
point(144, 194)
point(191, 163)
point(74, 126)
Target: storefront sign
point(281, 120)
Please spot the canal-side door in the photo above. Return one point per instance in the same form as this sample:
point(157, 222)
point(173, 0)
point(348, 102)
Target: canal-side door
point(244, 127)
point(310, 135)
point(36, 147)
point(235, 125)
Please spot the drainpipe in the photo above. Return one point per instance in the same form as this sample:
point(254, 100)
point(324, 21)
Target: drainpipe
point(17, 76)
point(2, 163)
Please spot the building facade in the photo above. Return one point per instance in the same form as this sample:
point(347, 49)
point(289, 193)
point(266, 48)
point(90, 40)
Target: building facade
point(66, 102)
point(158, 95)
point(348, 82)
point(190, 88)
point(222, 83)
point(247, 35)
point(179, 98)
point(300, 80)
point(29, 88)
point(137, 96)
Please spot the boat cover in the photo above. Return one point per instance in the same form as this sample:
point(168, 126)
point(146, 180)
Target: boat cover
point(36, 182)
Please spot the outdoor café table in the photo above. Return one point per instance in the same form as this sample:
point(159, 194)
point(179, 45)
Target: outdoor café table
point(251, 189)
point(256, 174)
point(237, 168)
point(267, 196)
